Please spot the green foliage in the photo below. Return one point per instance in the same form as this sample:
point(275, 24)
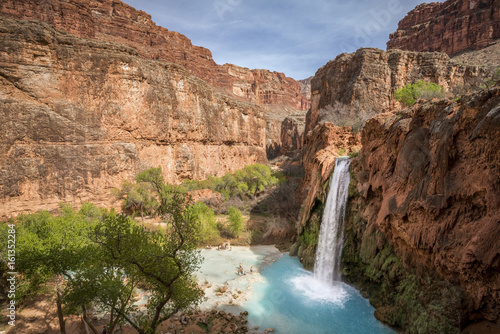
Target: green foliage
point(209, 233)
point(104, 257)
point(246, 182)
point(410, 93)
point(354, 153)
point(236, 224)
point(149, 196)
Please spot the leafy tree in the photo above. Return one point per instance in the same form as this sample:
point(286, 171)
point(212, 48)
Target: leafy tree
point(209, 233)
point(410, 93)
point(236, 224)
point(162, 261)
point(50, 246)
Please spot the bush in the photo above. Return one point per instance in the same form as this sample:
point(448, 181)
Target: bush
point(209, 233)
point(235, 221)
point(410, 93)
point(246, 182)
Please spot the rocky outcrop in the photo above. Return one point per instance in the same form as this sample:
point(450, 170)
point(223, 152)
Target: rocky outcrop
point(116, 22)
point(79, 116)
point(355, 87)
point(424, 222)
point(451, 26)
point(289, 132)
point(306, 87)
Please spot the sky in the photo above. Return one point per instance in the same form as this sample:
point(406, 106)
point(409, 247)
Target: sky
point(295, 37)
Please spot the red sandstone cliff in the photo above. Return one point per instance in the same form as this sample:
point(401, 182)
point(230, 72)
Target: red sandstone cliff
point(429, 181)
point(79, 116)
point(114, 21)
point(355, 87)
point(451, 27)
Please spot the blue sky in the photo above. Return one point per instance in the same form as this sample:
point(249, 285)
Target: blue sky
point(295, 37)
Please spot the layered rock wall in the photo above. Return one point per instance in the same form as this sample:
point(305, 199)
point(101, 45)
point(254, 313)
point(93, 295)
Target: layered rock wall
point(426, 201)
point(116, 22)
point(451, 27)
point(79, 116)
point(354, 87)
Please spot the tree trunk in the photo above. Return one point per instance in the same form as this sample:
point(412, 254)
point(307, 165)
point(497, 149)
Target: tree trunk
point(60, 315)
point(87, 321)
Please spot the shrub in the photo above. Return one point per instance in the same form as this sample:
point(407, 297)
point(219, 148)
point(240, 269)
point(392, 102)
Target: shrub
point(410, 93)
point(209, 233)
point(246, 182)
point(235, 221)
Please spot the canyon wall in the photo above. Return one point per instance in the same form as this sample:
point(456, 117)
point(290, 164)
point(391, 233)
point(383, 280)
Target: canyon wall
point(424, 213)
point(451, 27)
point(423, 222)
point(116, 22)
point(79, 116)
point(355, 87)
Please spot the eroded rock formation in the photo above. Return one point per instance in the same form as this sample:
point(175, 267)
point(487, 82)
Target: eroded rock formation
point(116, 22)
point(79, 116)
point(426, 201)
point(354, 87)
point(451, 26)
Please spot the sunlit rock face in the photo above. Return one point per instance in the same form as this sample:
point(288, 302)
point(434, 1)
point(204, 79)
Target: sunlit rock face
point(451, 26)
point(117, 22)
point(79, 116)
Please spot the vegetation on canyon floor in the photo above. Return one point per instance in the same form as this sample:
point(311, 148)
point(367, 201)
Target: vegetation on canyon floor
point(94, 258)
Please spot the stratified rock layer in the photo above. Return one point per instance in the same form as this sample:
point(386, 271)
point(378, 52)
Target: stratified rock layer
point(79, 116)
point(116, 22)
point(451, 26)
point(355, 87)
point(428, 182)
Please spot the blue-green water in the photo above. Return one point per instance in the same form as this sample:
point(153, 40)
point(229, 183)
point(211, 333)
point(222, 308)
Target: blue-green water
point(291, 301)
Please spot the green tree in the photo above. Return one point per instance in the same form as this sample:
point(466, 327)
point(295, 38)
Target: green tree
point(161, 261)
point(209, 233)
point(54, 247)
point(236, 224)
point(410, 93)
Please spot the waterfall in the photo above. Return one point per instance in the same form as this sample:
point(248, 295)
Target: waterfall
point(331, 235)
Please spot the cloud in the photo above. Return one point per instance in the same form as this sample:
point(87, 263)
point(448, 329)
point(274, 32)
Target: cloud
point(291, 36)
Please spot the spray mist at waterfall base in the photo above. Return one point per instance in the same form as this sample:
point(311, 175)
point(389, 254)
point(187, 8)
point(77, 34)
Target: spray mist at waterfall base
point(292, 301)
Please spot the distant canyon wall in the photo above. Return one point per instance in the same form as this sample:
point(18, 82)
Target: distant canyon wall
point(355, 87)
point(79, 116)
point(116, 22)
point(451, 26)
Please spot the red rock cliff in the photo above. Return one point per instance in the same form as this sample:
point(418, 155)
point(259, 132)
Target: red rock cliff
point(355, 87)
point(114, 21)
point(428, 183)
point(452, 26)
point(79, 116)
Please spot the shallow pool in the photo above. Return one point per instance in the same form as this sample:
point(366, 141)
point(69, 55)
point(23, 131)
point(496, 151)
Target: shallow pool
point(290, 300)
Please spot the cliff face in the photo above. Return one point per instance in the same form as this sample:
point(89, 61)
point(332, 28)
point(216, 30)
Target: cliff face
point(425, 200)
point(355, 87)
point(116, 22)
point(452, 26)
point(79, 116)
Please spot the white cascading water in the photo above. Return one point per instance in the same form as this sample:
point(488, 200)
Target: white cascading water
point(331, 235)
